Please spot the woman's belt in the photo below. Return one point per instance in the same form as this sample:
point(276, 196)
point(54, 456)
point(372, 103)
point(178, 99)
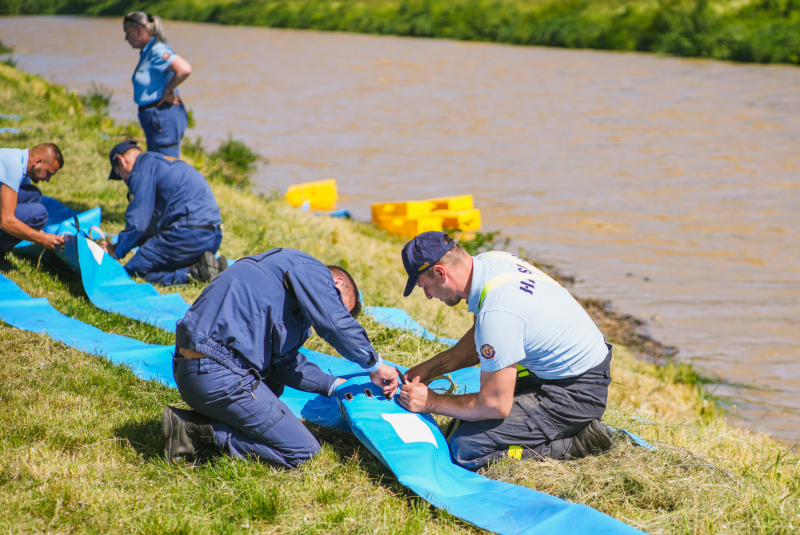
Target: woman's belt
point(148, 106)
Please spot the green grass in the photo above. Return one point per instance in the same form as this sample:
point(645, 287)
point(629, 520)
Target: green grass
point(763, 31)
point(80, 442)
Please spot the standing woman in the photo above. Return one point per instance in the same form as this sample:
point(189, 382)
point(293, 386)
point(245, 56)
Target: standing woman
point(155, 81)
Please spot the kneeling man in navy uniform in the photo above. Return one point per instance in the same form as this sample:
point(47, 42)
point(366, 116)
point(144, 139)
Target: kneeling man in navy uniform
point(238, 347)
point(172, 216)
point(545, 367)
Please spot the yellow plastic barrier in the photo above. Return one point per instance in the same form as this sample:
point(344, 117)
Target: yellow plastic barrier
point(404, 209)
point(321, 194)
point(409, 218)
point(452, 204)
point(409, 226)
point(464, 220)
point(418, 208)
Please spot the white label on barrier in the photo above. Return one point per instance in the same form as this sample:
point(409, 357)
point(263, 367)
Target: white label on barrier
point(410, 428)
point(97, 251)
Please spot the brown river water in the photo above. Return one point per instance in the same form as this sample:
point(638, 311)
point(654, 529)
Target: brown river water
point(669, 186)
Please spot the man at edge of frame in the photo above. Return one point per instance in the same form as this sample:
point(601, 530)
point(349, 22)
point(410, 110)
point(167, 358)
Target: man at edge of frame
point(545, 366)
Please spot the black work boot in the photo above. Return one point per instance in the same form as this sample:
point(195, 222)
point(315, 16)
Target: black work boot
point(593, 439)
point(208, 267)
point(5, 265)
point(184, 432)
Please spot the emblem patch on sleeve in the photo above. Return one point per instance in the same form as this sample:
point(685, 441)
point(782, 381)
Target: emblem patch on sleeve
point(487, 351)
point(166, 55)
point(130, 197)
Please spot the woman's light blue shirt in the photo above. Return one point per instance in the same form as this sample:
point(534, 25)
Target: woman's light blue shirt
point(152, 74)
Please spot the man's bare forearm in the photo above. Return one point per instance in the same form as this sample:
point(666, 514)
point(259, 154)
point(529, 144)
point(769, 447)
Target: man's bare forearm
point(461, 355)
point(20, 230)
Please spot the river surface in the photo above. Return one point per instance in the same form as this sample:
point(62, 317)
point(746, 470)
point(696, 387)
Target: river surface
point(669, 186)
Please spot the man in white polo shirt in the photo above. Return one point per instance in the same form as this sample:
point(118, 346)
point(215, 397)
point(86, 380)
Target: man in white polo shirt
point(545, 367)
point(22, 214)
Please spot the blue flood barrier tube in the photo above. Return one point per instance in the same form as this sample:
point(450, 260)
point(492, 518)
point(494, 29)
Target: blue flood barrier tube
point(414, 449)
point(37, 315)
point(110, 288)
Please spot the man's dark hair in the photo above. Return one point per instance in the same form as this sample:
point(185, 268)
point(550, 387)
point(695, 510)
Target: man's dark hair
point(349, 285)
point(54, 151)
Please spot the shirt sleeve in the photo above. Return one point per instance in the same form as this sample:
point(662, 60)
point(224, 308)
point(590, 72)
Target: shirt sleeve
point(298, 372)
point(499, 338)
point(161, 57)
point(142, 196)
point(323, 307)
point(6, 178)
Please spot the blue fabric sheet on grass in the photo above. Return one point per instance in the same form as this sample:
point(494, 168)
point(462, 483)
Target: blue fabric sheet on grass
point(110, 288)
point(413, 447)
point(22, 311)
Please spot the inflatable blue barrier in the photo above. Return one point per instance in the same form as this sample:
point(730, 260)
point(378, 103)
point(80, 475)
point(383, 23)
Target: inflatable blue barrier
point(61, 220)
point(9, 130)
point(397, 318)
point(10, 117)
point(22, 311)
point(414, 449)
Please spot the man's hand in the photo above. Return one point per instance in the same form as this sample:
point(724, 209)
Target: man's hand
point(420, 373)
point(109, 248)
point(50, 241)
point(169, 98)
point(416, 397)
point(386, 378)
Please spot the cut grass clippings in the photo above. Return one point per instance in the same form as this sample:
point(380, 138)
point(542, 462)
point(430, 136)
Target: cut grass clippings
point(80, 448)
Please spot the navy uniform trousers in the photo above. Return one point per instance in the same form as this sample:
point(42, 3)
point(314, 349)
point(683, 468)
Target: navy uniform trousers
point(164, 127)
point(544, 417)
point(165, 258)
point(257, 422)
point(30, 211)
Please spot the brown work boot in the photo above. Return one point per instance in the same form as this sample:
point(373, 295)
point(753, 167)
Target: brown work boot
point(184, 432)
point(593, 439)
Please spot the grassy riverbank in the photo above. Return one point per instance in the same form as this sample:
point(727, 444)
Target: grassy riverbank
point(80, 443)
point(763, 31)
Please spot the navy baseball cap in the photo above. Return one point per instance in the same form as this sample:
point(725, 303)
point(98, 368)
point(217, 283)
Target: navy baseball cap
point(120, 148)
point(421, 253)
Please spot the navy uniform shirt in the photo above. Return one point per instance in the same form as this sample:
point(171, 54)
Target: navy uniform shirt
point(261, 309)
point(163, 194)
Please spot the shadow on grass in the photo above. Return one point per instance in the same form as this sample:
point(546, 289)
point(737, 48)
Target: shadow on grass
point(144, 436)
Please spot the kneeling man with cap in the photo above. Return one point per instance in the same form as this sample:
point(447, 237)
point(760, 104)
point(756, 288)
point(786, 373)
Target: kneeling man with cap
point(545, 367)
point(238, 347)
point(172, 217)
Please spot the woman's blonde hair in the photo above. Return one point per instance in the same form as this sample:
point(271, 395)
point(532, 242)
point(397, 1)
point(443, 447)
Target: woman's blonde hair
point(151, 22)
